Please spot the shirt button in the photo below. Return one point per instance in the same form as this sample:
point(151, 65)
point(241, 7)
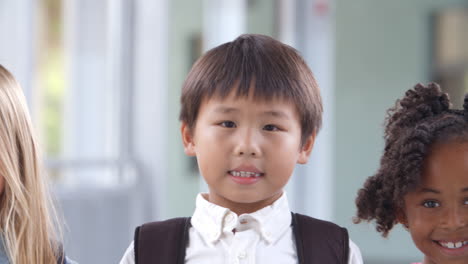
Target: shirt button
point(229, 218)
point(242, 254)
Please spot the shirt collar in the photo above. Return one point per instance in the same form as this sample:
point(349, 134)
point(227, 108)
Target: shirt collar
point(212, 220)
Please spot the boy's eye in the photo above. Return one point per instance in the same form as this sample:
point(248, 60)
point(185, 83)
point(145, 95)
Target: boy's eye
point(465, 202)
point(271, 128)
point(431, 204)
point(228, 124)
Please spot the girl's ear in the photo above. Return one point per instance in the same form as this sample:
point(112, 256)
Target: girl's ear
point(306, 149)
point(401, 217)
point(187, 140)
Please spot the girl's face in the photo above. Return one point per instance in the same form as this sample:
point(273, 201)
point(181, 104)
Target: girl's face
point(437, 212)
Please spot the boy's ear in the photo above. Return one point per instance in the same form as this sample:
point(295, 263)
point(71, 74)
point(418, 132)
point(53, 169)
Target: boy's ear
point(187, 139)
point(306, 149)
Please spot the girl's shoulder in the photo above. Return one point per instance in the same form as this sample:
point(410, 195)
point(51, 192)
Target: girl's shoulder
point(69, 261)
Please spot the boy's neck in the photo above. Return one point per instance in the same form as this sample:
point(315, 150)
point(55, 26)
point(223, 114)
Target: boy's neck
point(241, 208)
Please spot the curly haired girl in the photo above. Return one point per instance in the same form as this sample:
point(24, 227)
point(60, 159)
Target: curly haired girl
point(422, 182)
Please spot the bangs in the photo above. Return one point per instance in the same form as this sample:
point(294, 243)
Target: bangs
point(270, 69)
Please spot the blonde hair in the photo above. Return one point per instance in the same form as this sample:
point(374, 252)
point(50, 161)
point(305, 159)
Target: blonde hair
point(28, 221)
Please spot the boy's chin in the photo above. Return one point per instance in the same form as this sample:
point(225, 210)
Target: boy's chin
point(253, 199)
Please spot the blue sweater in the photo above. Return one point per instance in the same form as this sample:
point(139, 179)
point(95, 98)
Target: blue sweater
point(4, 257)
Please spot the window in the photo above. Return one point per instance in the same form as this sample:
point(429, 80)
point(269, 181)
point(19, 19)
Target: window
point(450, 52)
point(84, 93)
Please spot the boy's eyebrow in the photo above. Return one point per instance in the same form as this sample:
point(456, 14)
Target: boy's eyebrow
point(227, 110)
point(274, 113)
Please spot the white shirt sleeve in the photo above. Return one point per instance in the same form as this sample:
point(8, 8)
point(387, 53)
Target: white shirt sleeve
point(354, 254)
point(129, 256)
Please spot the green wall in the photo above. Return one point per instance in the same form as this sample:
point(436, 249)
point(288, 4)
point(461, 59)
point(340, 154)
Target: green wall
point(382, 50)
point(185, 24)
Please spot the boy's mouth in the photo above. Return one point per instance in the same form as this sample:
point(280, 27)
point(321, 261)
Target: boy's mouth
point(244, 174)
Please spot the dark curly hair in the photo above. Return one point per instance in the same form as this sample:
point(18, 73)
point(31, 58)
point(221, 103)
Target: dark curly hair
point(420, 119)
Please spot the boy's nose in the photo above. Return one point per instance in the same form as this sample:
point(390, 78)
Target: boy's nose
point(247, 145)
point(242, 153)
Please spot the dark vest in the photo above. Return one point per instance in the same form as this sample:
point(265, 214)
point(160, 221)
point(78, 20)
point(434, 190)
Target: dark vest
point(317, 241)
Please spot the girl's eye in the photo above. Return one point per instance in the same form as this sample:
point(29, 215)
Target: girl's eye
point(465, 202)
point(271, 128)
point(431, 204)
point(228, 124)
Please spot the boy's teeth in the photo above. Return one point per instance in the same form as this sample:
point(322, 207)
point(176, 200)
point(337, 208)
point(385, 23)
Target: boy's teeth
point(453, 245)
point(245, 174)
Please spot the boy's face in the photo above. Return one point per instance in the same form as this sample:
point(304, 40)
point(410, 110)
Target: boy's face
point(246, 150)
point(437, 212)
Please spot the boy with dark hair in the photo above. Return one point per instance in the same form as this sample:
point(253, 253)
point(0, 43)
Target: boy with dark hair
point(251, 110)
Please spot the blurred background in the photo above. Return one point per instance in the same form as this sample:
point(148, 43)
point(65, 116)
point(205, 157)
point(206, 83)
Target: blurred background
point(103, 78)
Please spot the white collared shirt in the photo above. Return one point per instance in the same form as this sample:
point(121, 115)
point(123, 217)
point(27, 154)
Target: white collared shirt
point(218, 235)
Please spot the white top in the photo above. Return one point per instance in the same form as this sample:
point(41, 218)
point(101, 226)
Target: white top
point(218, 235)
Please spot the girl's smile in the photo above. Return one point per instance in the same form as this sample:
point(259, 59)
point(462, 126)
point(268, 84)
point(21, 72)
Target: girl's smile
point(452, 248)
point(452, 244)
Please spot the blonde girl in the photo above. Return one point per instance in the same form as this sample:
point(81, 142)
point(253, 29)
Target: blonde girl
point(28, 226)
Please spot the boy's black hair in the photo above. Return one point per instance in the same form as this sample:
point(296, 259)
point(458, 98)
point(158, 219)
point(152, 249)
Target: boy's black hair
point(271, 68)
point(417, 121)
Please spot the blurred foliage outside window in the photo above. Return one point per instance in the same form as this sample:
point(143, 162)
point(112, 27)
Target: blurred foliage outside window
point(450, 52)
point(51, 70)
